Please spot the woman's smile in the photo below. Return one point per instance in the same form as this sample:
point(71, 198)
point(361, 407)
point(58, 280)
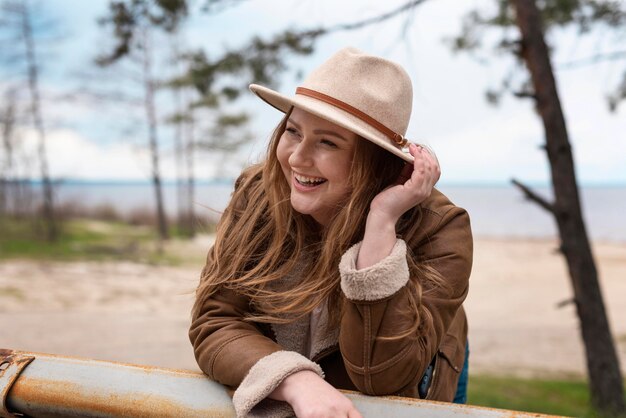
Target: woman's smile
point(306, 183)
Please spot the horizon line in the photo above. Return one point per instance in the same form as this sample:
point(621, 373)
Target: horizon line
point(228, 180)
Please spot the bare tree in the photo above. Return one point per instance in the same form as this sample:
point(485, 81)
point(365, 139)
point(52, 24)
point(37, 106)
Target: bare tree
point(16, 194)
point(20, 15)
point(150, 104)
point(179, 128)
point(190, 153)
point(604, 372)
point(7, 137)
point(183, 121)
point(135, 23)
point(529, 45)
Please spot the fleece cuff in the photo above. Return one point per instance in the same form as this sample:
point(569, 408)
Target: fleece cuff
point(250, 397)
point(379, 281)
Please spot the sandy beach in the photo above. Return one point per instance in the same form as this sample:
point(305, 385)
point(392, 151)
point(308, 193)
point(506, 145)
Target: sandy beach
point(139, 313)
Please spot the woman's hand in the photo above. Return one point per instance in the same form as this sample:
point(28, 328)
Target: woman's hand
point(311, 396)
point(414, 185)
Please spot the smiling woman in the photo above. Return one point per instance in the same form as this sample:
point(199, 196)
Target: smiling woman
point(337, 265)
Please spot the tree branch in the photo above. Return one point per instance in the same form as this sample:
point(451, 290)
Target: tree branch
point(565, 302)
point(531, 195)
point(373, 20)
point(315, 33)
point(594, 59)
point(524, 95)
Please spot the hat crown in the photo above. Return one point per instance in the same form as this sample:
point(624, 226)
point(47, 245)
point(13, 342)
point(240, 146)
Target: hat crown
point(378, 87)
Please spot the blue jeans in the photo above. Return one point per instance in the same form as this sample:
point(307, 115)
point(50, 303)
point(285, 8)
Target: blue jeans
point(461, 388)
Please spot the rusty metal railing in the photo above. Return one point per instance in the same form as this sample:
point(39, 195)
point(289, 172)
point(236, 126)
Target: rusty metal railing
point(43, 385)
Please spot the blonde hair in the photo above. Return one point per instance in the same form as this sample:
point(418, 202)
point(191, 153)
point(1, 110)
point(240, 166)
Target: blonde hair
point(261, 238)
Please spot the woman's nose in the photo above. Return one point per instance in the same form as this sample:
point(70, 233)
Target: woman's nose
point(301, 155)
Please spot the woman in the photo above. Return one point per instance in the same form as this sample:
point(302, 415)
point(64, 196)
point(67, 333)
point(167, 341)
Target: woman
point(336, 264)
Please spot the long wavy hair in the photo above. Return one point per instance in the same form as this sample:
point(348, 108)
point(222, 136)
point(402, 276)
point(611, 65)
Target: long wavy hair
point(260, 239)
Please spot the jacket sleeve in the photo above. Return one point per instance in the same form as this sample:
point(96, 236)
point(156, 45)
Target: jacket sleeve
point(225, 345)
point(377, 305)
point(236, 353)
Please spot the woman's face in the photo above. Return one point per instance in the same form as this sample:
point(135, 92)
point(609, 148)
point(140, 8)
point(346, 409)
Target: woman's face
point(315, 156)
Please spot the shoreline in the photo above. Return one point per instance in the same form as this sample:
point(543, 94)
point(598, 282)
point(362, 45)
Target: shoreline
point(139, 313)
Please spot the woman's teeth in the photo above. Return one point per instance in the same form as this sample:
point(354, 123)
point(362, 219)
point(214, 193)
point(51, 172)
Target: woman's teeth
point(309, 181)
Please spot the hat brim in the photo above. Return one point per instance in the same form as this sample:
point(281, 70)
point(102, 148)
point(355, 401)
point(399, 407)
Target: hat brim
point(330, 113)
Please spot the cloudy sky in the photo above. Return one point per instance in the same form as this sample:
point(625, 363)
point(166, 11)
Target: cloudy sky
point(475, 142)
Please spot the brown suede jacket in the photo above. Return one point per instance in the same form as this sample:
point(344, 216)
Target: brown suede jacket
point(255, 358)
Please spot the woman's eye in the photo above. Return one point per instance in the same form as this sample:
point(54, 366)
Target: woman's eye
point(329, 143)
point(291, 131)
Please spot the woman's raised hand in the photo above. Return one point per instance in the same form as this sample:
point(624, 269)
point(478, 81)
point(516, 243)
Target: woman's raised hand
point(310, 396)
point(414, 185)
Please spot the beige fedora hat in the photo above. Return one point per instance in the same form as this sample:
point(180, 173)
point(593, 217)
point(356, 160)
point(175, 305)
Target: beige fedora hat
point(365, 94)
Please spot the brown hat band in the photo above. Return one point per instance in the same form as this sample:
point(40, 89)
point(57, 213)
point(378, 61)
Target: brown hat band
point(393, 136)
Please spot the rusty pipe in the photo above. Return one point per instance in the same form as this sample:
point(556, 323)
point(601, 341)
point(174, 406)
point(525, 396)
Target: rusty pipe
point(56, 386)
point(44, 385)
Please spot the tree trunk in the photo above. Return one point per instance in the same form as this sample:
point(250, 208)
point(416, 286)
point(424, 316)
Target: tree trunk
point(48, 202)
point(602, 363)
point(178, 135)
point(189, 154)
point(178, 154)
point(149, 88)
point(7, 121)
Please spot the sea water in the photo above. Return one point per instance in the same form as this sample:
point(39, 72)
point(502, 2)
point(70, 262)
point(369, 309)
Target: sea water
point(495, 210)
